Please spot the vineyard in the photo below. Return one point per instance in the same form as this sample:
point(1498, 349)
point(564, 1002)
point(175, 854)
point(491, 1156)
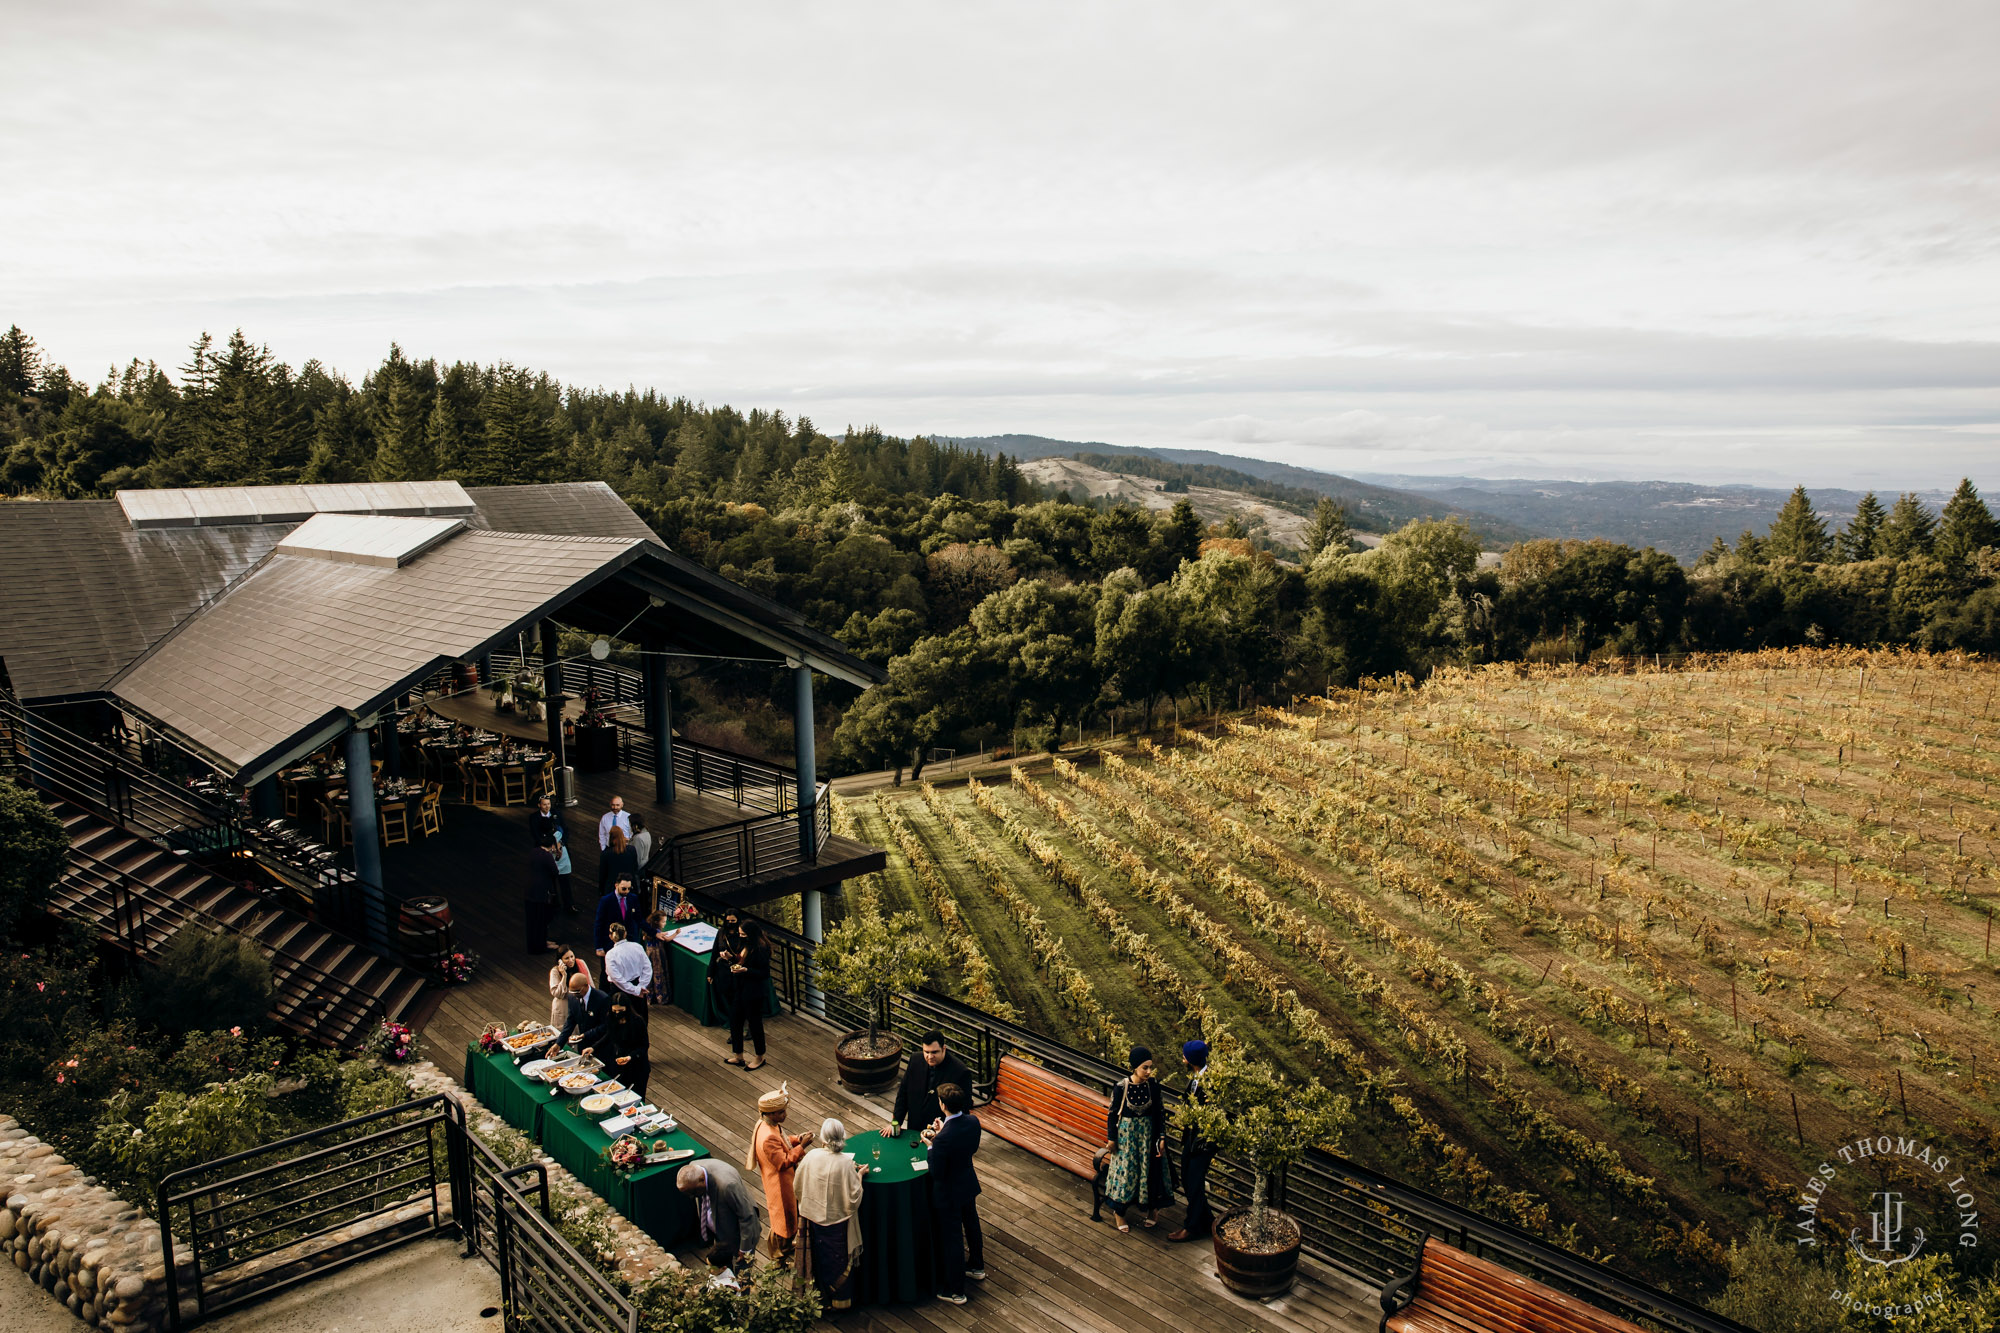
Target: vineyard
point(1614, 956)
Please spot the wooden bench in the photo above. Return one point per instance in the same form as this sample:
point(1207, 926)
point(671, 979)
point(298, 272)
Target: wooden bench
point(1058, 1121)
point(1450, 1291)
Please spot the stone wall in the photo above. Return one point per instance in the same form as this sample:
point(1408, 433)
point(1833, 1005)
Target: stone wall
point(86, 1246)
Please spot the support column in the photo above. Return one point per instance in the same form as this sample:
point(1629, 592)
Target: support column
point(660, 721)
point(392, 747)
point(266, 801)
point(367, 838)
point(812, 924)
point(486, 670)
point(552, 682)
point(802, 754)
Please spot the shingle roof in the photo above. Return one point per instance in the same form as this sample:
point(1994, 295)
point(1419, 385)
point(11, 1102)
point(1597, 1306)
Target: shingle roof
point(301, 643)
point(86, 593)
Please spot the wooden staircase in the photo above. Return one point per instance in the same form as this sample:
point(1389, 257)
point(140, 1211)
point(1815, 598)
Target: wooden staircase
point(136, 894)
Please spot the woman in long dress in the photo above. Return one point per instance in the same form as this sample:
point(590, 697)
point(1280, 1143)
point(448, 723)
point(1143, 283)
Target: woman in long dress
point(1136, 1133)
point(829, 1190)
point(775, 1155)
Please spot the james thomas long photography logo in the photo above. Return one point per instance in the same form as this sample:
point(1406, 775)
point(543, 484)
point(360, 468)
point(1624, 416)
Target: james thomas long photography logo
point(1916, 1203)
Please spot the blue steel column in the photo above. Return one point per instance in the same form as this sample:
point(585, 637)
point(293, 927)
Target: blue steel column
point(367, 839)
point(660, 718)
point(802, 752)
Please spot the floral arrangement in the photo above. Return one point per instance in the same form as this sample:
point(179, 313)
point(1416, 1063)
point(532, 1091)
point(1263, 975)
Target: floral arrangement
point(687, 911)
point(490, 1039)
point(625, 1153)
point(395, 1043)
point(458, 966)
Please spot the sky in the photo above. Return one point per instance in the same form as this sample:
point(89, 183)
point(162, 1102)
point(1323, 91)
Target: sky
point(1698, 241)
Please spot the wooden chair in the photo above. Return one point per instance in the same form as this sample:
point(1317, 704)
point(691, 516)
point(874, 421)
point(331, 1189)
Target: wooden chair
point(545, 779)
point(478, 782)
point(1451, 1289)
point(395, 821)
point(334, 815)
point(1057, 1120)
point(514, 785)
point(430, 810)
point(291, 790)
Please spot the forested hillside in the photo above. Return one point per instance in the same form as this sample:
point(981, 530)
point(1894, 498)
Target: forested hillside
point(999, 613)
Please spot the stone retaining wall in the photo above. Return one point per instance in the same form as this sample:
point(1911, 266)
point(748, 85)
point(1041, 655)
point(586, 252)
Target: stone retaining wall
point(86, 1246)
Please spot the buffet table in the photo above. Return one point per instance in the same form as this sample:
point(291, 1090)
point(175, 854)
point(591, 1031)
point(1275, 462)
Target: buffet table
point(897, 1254)
point(647, 1197)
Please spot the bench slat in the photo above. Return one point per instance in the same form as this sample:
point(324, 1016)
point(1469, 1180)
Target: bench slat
point(1459, 1292)
point(1059, 1121)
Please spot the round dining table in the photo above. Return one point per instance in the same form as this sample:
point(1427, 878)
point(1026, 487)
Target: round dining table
point(898, 1252)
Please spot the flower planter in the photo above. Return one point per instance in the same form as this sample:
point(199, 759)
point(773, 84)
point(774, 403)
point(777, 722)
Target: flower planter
point(866, 1070)
point(1258, 1271)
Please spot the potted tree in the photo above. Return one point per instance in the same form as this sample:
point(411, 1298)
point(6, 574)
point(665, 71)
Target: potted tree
point(1248, 1112)
point(866, 959)
point(528, 697)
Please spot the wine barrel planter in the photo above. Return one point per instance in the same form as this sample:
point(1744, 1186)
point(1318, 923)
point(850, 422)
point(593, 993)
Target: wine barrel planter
point(464, 675)
point(424, 930)
point(1258, 1275)
point(868, 1073)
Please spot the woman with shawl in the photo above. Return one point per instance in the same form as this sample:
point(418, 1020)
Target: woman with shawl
point(829, 1188)
point(1135, 1132)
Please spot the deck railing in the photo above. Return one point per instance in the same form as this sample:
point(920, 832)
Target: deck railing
point(1353, 1218)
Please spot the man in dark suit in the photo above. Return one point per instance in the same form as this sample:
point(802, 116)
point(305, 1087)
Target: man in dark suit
point(618, 906)
point(930, 1069)
point(544, 889)
point(589, 1014)
point(725, 1212)
point(546, 820)
point(1196, 1153)
point(955, 1195)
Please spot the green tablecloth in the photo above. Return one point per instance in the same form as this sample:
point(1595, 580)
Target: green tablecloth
point(647, 1197)
point(504, 1090)
point(897, 1237)
point(691, 992)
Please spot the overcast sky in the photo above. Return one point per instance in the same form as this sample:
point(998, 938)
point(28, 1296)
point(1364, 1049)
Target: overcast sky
point(1704, 241)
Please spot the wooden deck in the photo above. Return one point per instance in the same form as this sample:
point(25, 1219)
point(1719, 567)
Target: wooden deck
point(1052, 1268)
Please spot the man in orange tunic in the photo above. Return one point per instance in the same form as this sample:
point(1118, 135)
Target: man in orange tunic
point(775, 1154)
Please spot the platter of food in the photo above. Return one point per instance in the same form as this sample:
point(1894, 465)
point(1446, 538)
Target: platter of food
point(577, 1081)
point(597, 1104)
point(670, 1155)
point(527, 1040)
point(611, 1087)
point(534, 1068)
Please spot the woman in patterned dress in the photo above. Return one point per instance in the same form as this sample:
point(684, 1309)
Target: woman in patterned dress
point(1136, 1133)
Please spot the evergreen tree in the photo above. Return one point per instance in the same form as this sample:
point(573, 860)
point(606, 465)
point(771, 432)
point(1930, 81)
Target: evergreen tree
point(1862, 538)
point(1798, 533)
point(1750, 547)
point(20, 362)
point(1968, 527)
point(1327, 529)
point(444, 440)
point(518, 443)
point(1911, 530)
point(1717, 552)
point(402, 444)
point(341, 448)
point(1180, 535)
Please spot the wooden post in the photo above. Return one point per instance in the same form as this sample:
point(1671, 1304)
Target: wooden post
point(1698, 1165)
point(1797, 1124)
point(1733, 1019)
point(1902, 1096)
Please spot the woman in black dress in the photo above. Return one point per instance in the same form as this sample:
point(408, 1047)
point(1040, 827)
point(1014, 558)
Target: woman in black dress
point(628, 1054)
point(750, 975)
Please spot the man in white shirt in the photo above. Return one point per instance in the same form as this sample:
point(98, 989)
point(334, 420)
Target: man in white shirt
point(626, 965)
point(614, 818)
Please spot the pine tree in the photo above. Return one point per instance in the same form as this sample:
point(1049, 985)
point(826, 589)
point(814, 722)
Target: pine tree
point(1750, 547)
point(402, 447)
point(443, 438)
point(341, 449)
point(1968, 526)
point(1717, 552)
point(518, 443)
point(1862, 538)
point(1798, 533)
point(1327, 529)
point(1911, 530)
point(20, 362)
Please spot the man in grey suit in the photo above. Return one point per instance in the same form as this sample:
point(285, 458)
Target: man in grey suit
point(728, 1213)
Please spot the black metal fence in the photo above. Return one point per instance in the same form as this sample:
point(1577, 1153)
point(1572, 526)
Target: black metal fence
point(248, 1226)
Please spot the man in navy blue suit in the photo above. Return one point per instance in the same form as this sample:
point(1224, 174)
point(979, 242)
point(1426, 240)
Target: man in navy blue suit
point(955, 1195)
point(589, 1014)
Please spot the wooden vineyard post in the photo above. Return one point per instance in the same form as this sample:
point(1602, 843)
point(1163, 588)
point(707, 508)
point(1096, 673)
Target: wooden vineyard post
point(1733, 1019)
point(1989, 934)
point(1798, 1125)
point(1646, 1017)
point(1698, 1165)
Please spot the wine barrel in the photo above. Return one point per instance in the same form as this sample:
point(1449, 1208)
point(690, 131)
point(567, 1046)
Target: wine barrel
point(1260, 1277)
point(424, 930)
point(871, 1073)
point(464, 675)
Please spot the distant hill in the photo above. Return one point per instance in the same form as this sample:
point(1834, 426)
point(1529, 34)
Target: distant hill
point(1680, 518)
point(1370, 508)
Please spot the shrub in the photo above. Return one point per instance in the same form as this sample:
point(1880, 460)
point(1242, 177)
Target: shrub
point(183, 1129)
point(205, 981)
point(34, 850)
point(682, 1301)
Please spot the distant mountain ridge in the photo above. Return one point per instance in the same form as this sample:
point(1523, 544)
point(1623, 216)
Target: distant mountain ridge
point(1370, 507)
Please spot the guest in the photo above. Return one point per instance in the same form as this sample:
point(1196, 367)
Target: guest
point(727, 1215)
point(566, 968)
point(641, 840)
point(627, 970)
point(829, 1188)
point(658, 936)
point(617, 906)
point(721, 986)
point(1196, 1152)
point(628, 1043)
point(543, 893)
point(930, 1069)
point(614, 818)
point(618, 860)
point(544, 820)
point(1136, 1132)
point(955, 1195)
point(749, 978)
point(775, 1155)
point(589, 1013)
